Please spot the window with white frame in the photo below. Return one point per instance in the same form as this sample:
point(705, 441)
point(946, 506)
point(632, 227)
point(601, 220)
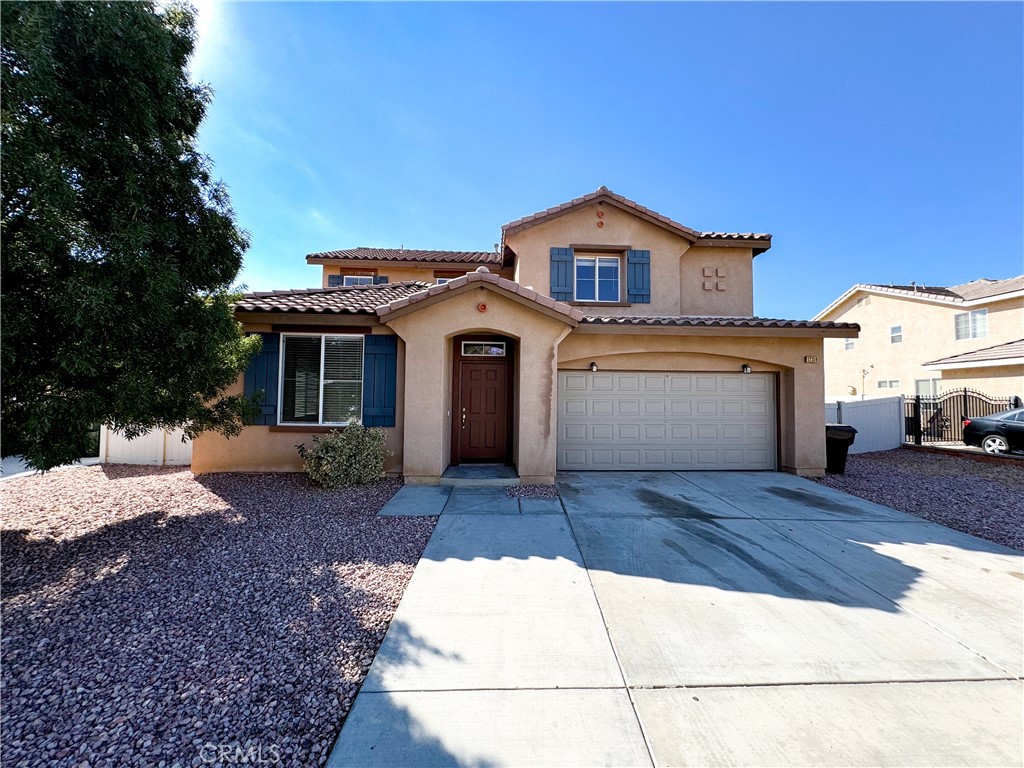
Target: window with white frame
point(597, 278)
point(971, 325)
point(848, 344)
point(863, 301)
point(929, 387)
point(321, 379)
point(889, 384)
point(357, 280)
point(896, 334)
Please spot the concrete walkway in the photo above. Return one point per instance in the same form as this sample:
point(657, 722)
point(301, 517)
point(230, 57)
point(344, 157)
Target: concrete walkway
point(696, 619)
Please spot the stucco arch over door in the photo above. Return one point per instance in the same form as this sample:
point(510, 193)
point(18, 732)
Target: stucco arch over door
point(428, 331)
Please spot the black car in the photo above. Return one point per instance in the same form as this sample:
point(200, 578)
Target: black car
point(998, 433)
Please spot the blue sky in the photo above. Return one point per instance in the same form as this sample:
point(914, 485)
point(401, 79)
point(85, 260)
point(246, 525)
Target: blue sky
point(877, 142)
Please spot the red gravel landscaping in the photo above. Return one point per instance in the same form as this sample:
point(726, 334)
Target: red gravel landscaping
point(151, 618)
point(982, 497)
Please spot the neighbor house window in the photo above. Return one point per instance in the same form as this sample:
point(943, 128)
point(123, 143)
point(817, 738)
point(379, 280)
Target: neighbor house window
point(863, 301)
point(971, 325)
point(896, 334)
point(848, 344)
point(889, 384)
point(928, 387)
point(321, 379)
point(597, 278)
point(334, 281)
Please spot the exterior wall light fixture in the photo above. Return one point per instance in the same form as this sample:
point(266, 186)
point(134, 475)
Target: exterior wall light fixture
point(593, 367)
point(745, 368)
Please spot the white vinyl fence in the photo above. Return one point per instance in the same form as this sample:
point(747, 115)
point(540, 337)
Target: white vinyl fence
point(159, 448)
point(879, 422)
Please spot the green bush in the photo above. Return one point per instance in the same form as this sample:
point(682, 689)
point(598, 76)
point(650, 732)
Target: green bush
point(340, 459)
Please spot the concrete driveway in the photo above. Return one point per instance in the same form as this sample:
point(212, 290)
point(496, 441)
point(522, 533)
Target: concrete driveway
point(696, 619)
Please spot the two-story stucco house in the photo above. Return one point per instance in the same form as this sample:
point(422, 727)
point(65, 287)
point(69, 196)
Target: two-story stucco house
point(599, 335)
point(924, 340)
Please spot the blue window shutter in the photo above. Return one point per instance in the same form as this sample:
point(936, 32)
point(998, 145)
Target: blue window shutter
point(561, 274)
point(262, 375)
point(380, 380)
point(638, 277)
point(380, 279)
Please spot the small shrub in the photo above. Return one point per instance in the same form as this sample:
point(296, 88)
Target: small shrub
point(340, 459)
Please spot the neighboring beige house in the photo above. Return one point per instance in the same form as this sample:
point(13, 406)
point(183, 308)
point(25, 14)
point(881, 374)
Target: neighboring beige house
point(907, 329)
point(998, 369)
point(599, 335)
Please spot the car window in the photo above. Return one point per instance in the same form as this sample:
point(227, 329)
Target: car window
point(1019, 416)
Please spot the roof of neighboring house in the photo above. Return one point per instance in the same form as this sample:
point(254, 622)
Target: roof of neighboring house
point(1009, 352)
point(986, 289)
point(483, 275)
point(974, 292)
point(355, 299)
point(409, 254)
point(603, 194)
point(714, 322)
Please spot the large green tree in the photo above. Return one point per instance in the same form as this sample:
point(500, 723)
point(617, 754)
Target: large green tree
point(119, 249)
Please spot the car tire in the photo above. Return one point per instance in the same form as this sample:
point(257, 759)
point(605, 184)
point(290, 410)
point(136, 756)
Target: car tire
point(995, 444)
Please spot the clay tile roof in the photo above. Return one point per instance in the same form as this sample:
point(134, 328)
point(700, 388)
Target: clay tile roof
point(410, 254)
point(355, 299)
point(605, 194)
point(1011, 350)
point(714, 322)
point(484, 276)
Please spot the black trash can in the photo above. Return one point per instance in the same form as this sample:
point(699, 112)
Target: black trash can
point(838, 439)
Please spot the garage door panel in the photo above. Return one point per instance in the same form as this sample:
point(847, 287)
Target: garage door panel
point(640, 420)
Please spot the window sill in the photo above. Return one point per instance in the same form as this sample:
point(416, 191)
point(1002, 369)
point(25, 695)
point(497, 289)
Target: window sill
point(600, 304)
point(311, 429)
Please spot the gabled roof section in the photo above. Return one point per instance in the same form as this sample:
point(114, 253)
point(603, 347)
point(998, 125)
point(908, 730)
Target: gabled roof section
point(352, 300)
point(406, 254)
point(968, 294)
point(987, 289)
point(1010, 353)
point(760, 242)
point(482, 275)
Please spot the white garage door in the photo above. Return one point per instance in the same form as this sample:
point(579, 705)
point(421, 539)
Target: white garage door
point(650, 420)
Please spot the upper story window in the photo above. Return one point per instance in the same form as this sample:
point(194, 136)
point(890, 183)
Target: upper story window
point(597, 278)
point(889, 384)
point(863, 301)
point(357, 280)
point(321, 379)
point(971, 325)
point(848, 344)
point(896, 334)
point(338, 281)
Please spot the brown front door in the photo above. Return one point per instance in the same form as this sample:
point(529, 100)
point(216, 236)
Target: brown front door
point(482, 410)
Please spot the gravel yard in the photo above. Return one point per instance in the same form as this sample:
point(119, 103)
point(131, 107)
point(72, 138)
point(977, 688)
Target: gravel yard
point(152, 618)
point(983, 498)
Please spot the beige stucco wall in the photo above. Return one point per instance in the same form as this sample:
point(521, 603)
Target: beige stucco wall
point(397, 274)
point(272, 449)
point(428, 334)
point(998, 381)
point(677, 270)
point(801, 427)
point(928, 334)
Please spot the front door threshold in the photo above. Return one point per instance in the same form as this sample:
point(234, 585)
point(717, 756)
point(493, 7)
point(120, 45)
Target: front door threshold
point(480, 476)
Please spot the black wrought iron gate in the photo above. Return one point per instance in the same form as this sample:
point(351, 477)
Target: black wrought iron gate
point(940, 418)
